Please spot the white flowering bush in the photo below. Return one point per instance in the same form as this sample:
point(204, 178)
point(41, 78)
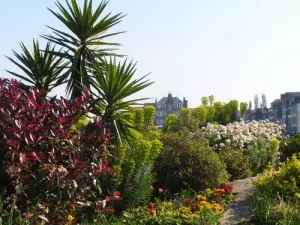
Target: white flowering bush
point(241, 134)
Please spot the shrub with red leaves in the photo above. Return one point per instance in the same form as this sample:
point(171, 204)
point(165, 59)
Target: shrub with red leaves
point(43, 162)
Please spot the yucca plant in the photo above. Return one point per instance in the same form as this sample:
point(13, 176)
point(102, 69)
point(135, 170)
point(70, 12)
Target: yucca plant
point(113, 83)
point(41, 68)
point(84, 43)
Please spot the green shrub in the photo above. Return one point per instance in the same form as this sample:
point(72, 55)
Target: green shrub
point(261, 153)
point(237, 164)
point(289, 147)
point(136, 168)
point(187, 161)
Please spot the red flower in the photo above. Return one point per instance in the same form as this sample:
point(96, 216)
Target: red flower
point(160, 190)
point(151, 188)
point(116, 196)
point(227, 188)
point(188, 201)
point(116, 193)
point(151, 205)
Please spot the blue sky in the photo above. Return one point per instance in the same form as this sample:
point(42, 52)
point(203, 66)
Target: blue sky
point(231, 49)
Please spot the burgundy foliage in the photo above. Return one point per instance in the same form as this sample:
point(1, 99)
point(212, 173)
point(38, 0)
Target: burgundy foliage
point(48, 167)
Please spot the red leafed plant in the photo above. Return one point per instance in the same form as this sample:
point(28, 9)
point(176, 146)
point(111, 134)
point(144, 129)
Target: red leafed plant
point(47, 167)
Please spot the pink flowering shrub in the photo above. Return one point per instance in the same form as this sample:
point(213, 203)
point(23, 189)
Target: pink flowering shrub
point(50, 172)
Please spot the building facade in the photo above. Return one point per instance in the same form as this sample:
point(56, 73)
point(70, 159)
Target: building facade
point(166, 106)
point(285, 111)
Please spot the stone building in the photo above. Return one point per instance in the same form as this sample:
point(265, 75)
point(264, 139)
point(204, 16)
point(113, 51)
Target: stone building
point(166, 106)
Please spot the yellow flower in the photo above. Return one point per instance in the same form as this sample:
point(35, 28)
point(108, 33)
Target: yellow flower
point(153, 212)
point(201, 198)
point(203, 203)
point(70, 218)
point(164, 204)
point(170, 204)
point(297, 195)
point(186, 209)
point(209, 191)
point(29, 215)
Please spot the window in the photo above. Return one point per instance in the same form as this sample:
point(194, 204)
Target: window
point(158, 106)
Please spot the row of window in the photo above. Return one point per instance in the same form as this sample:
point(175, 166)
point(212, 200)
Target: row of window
point(163, 106)
point(164, 113)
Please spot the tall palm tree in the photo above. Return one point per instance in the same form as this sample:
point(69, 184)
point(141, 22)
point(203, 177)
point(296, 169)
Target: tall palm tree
point(84, 42)
point(113, 84)
point(41, 68)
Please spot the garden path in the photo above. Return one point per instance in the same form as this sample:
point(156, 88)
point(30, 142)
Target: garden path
point(239, 211)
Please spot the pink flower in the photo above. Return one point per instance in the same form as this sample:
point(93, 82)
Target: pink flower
point(160, 190)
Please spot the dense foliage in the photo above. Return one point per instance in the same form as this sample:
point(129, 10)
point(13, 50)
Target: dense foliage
point(237, 163)
point(140, 152)
point(276, 200)
point(46, 168)
point(187, 161)
point(289, 147)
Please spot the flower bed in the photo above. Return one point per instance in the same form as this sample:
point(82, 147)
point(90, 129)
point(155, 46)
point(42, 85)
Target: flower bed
point(200, 208)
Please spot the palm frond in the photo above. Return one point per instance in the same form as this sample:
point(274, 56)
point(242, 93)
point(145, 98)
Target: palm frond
point(41, 68)
point(85, 40)
point(114, 85)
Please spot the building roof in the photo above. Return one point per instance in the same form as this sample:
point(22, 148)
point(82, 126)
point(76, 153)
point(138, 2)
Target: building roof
point(169, 100)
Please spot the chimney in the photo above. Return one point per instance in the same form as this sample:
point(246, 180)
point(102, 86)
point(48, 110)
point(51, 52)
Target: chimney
point(185, 103)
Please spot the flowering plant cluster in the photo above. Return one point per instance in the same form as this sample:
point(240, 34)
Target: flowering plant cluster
point(203, 208)
point(241, 134)
point(47, 167)
point(285, 180)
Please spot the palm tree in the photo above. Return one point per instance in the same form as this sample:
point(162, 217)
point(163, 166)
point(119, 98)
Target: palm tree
point(113, 83)
point(84, 44)
point(41, 69)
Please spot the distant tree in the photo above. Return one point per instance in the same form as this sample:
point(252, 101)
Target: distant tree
point(250, 105)
point(211, 99)
point(226, 113)
point(149, 115)
point(139, 117)
point(210, 114)
point(200, 114)
point(204, 101)
point(219, 111)
point(172, 122)
point(233, 109)
point(264, 100)
point(243, 109)
point(256, 102)
point(185, 115)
